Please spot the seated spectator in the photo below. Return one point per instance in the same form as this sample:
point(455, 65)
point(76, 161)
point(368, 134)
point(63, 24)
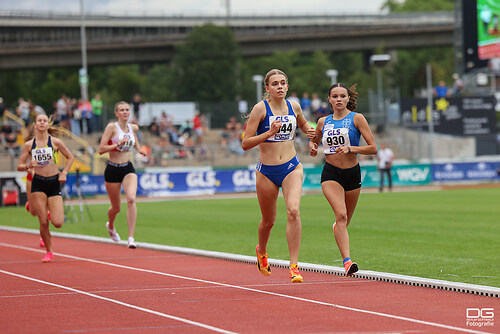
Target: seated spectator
point(323, 110)
point(154, 128)
point(9, 140)
point(200, 129)
point(231, 137)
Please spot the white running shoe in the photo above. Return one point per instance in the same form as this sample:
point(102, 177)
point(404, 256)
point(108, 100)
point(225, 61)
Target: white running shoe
point(131, 243)
point(112, 233)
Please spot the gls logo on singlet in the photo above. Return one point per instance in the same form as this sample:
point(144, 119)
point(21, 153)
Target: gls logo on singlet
point(42, 156)
point(333, 138)
point(287, 130)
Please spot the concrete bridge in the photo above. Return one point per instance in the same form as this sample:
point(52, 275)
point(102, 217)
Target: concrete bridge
point(53, 40)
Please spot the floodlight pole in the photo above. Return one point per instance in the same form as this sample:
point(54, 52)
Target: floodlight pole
point(257, 78)
point(333, 75)
point(430, 119)
point(83, 74)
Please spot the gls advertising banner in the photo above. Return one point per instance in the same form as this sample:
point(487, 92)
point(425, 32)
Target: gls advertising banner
point(172, 183)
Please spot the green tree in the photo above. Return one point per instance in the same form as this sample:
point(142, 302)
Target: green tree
point(409, 70)
point(206, 65)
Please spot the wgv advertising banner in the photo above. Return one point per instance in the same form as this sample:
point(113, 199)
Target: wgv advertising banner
point(402, 175)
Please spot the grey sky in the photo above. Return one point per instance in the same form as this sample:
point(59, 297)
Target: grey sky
point(198, 7)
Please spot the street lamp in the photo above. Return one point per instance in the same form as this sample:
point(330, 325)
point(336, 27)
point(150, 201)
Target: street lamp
point(83, 73)
point(333, 75)
point(380, 61)
point(257, 78)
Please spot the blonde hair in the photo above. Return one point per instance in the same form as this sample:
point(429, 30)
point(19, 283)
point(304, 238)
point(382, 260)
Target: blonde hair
point(268, 76)
point(52, 130)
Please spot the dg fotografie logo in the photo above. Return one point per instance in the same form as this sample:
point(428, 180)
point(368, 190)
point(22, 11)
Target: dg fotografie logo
point(480, 317)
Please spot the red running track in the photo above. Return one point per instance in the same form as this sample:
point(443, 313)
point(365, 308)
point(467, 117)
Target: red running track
point(106, 288)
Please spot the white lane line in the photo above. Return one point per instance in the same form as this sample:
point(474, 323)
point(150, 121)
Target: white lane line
point(194, 323)
point(380, 314)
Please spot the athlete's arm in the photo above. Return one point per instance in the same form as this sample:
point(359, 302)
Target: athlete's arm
point(106, 136)
point(22, 165)
point(59, 145)
point(256, 116)
point(361, 123)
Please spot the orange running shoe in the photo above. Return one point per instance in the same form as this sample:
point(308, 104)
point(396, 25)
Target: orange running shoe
point(48, 257)
point(262, 264)
point(350, 268)
point(27, 206)
point(42, 244)
point(295, 275)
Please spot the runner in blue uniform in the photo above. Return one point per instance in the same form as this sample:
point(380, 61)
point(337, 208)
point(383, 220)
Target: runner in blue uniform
point(341, 177)
point(271, 125)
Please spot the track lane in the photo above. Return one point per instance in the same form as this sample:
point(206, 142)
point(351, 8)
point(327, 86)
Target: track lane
point(233, 296)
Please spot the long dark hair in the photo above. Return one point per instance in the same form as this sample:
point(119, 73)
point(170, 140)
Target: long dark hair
point(353, 95)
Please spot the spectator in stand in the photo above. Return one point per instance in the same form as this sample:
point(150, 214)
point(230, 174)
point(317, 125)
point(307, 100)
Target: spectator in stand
point(2, 108)
point(97, 112)
point(200, 129)
point(293, 97)
point(86, 110)
point(231, 137)
point(441, 90)
point(305, 104)
point(458, 84)
point(161, 149)
point(62, 112)
point(315, 104)
point(136, 106)
point(75, 116)
point(9, 140)
point(322, 111)
point(35, 110)
point(23, 111)
point(164, 122)
point(153, 127)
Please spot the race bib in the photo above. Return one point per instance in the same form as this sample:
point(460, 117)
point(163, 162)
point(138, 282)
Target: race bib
point(42, 156)
point(333, 138)
point(287, 130)
point(128, 144)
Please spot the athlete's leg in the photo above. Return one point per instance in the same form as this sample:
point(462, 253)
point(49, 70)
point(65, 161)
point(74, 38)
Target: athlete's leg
point(267, 194)
point(38, 205)
point(56, 208)
point(292, 192)
point(335, 195)
point(113, 189)
point(130, 189)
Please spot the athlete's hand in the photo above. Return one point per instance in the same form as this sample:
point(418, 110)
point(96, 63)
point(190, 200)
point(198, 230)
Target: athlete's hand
point(311, 133)
point(313, 149)
point(62, 177)
point(274, 128)
point(341, 150)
